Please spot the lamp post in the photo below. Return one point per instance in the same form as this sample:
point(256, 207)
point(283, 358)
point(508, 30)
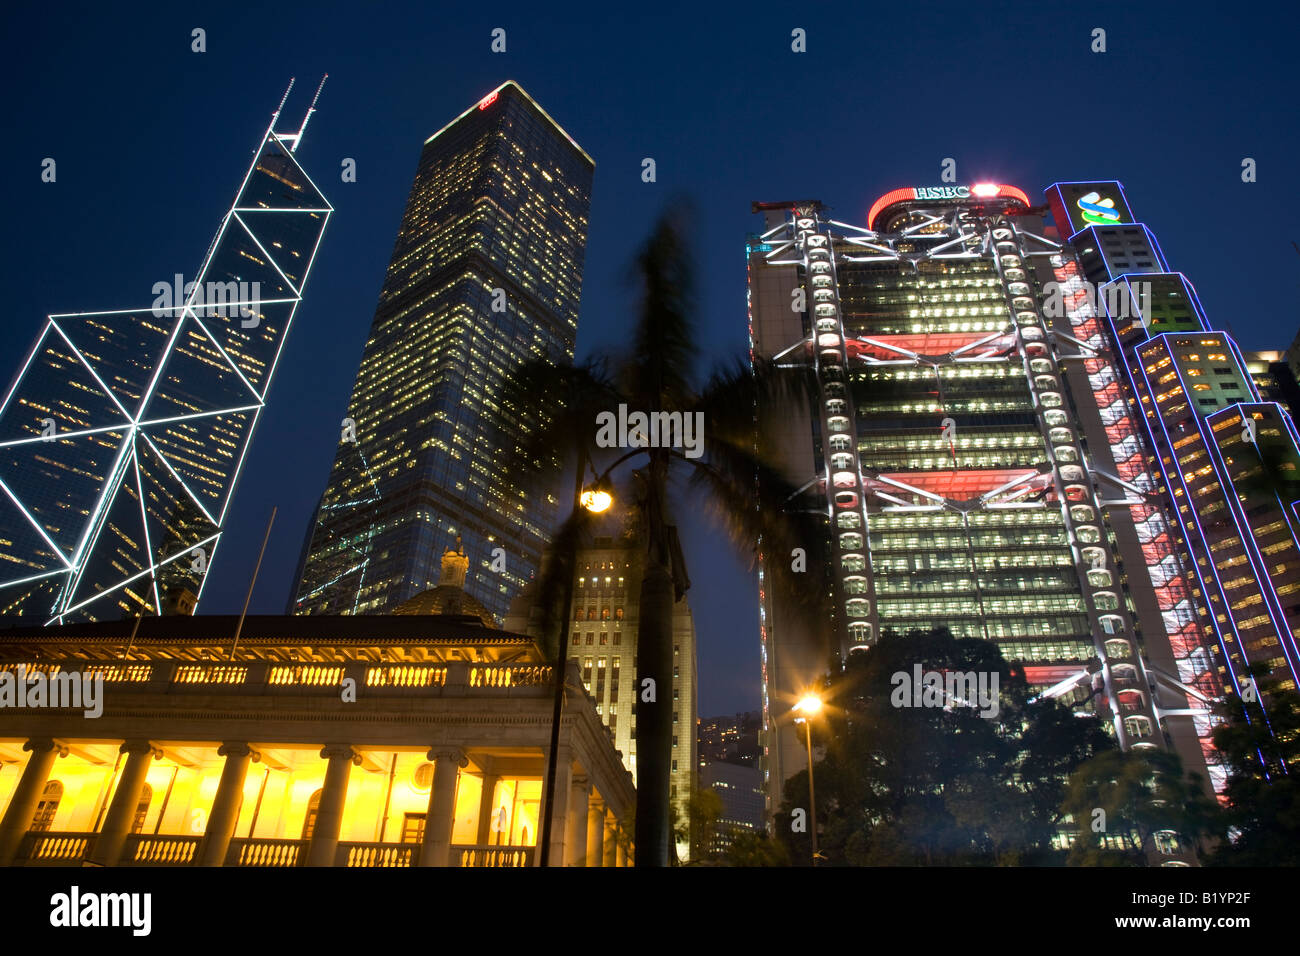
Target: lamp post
point(809, 705)
point(595, 499)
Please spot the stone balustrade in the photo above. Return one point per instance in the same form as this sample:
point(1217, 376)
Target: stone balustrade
point(55, 849)
point(265, 852)
point(492, 856)
point(455, 678)
point(69, 849)
point(160, 849)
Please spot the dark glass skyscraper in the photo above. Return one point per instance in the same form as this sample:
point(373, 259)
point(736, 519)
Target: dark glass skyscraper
point(123, 435)
point(486, 273)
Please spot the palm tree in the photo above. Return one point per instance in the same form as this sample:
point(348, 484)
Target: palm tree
point(749, 498)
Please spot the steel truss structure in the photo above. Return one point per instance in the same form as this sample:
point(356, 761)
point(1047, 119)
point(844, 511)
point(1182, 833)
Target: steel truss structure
point(856, 496)
point(122, 437)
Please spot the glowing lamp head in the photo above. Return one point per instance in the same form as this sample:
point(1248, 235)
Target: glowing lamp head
point(985, 190)
point(596, 500)
point(809, 705)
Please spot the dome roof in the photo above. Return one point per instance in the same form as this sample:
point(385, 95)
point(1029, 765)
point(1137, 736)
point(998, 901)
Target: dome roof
point(449, 596)
point(446, 599)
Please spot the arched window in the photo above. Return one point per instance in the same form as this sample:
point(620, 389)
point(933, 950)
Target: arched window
point(142, 809)
point(604, 614)
point(309, 822)
point(578, 615)
point(618, 614)
point(47, 807)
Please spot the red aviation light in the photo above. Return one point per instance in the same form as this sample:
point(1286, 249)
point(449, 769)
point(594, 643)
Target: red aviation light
point(998, 191)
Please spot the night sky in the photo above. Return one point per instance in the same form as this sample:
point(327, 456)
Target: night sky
point(151, 141)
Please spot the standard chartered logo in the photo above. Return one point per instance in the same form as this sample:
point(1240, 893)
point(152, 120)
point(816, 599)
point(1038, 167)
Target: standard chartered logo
point(1098, 211)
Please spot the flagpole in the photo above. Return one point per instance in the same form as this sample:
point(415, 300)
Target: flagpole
point(251, 583)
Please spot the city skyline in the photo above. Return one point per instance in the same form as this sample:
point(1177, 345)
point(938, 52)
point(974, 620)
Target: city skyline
point(378, 109)
point(915, 389)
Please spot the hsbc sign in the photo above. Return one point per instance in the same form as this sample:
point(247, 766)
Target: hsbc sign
point(942, 192)
point(976, 191)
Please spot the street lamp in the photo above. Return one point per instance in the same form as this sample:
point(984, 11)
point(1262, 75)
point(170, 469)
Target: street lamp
point(809, 705)
point(596, 498)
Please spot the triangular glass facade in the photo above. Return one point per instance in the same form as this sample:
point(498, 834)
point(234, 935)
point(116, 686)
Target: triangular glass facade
point(122, 437)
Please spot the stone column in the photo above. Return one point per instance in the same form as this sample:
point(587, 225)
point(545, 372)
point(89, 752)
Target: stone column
point(436, 850)
point(620, 858)
point(126, 801)
point(611, 840)
point(576, 840)
point(226, 804)
point(486, 834)
point(22, 808)
point(559, 809)
point(329, 812)
point(595, 832)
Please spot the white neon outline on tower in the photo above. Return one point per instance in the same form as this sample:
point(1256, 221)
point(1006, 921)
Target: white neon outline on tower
point(136, 424)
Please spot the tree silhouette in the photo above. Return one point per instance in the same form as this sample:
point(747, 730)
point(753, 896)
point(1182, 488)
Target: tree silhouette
point(1127, 805)
point(909, 786)
point(1260, 744)
point(747, 497)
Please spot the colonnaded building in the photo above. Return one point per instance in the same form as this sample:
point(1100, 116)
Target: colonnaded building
point(417, 738)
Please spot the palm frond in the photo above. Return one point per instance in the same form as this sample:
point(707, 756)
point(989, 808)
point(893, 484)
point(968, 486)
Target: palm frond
point(735, 391)
point(660, 370)
point(546, 412)
point(757, 507)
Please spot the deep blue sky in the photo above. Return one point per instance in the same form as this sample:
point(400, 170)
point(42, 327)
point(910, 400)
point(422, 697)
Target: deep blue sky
point(151, 141)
